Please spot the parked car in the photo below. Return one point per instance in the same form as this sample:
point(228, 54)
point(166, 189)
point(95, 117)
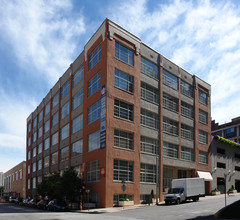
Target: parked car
point(18, 200)
point(26, 201)
point(12, 199)
point(42, 204)
point(32, 203)
point(57, 205)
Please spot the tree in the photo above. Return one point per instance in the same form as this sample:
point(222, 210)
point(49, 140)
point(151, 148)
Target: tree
point(1, 189)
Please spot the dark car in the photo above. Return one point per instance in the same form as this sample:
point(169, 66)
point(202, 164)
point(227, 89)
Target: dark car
point(26, 202)
point(57, 205)
point(33, 203)
point(230, 211)
point(42, 204)
point(18, 200)
point(12, 199)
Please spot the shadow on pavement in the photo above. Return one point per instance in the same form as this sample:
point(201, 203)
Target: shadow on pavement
point(209, 217)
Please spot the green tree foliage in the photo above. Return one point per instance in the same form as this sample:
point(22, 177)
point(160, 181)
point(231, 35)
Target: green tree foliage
point(1, 189)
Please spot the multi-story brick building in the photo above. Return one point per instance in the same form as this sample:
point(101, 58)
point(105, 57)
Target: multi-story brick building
point(1, 179)
point(229, 130)
point(15, 181)
point(121, 111)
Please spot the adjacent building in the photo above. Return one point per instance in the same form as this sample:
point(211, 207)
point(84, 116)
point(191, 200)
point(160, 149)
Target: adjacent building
point(225, 164)
point(121, 112)
point(1, 179)
point(15, 181)
point(229, 130)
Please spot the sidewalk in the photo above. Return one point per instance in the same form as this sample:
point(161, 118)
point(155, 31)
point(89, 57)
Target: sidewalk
point(118, 209)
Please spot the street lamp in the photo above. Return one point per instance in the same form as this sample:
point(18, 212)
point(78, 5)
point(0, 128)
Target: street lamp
point(88, 191)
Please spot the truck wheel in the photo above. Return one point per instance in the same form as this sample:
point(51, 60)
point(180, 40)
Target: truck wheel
point(178, 201)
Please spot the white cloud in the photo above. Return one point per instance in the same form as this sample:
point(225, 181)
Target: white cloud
point(42, 34)
point(203, 37)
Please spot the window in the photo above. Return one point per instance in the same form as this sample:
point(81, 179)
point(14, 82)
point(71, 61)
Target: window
point(20, 174)
point(29, 141)
point(95, 56)
point(149, 68)
point(16, 175)
point(65, 110)
point(29, 184)
point(170, 103)
point(94, 84)
point(170, 150)
point(187, 132)
point(230, 132)
point(148, 173)
point(203, 157)
point(202, 96)
point(34, 136)
point(65, 89)
point(40, 148)
point(78, 99)
point(94, 141)
point(55, 158)
point(186, 89)
point(123, 169)
point(29, 169)
point(123, 53)
point(55, 100)
point(187, 153)
point(46, 144)
point(47, 108)
point(203, 137)
point(55, 138)
point(29, 155)
point(203, 116)
point(93, 171)
point(65, 132)
point(123, 110)
point(34, 183)
point(39, 164)
point(182, 174)
point(123, 139)
point(34, 152)
point(40, 116)
point(39, 179)
point(221, 165)
point(40, 132)
point(149, 145)
point(237, 156)
point(170, 126)
point(167, 177)
point(94, 112)
point(46, 161)
point(237, 168)
point(170, 80)
point(34, 167)
point(187, 110)
point(220, 151)
point(78, 76)
point(149, 119)
point(46, 126)
point(35, 122)
point(55, 119)
point(77, 148)
point(123, 81)
point(149, 93)
point(64, 153)
point(77, 123)
point(13, 177)
point(29, 127)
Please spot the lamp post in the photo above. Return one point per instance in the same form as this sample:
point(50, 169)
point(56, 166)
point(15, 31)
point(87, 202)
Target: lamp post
point(88, 191)
point(157, 179)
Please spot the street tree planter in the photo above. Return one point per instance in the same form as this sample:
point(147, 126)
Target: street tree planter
point(125, 203)
point(216, 193)
point(233, 191)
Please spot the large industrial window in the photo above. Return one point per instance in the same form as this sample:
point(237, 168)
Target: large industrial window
point(55, 158)
point(123, 110)
point(78, 99)
point(203, 116)
point(77, 148)
point(94, 141)
point(187, 110)
point(40, 117)
point(47, 108)
point(95, 56)
point(230, 132)
point(203, 137)
point(123, 169)
point(123, 81)
point(167, 177)
point(187, 154)
point(148, 173)
point(94, 84)
point(64, 153)
point(94, 112)
point(170, 102)
point(149, 119)
point(93, 171)
point(123, 53)
point(55, 138)
point(65, 132)
point(77, 123)
point(202, 96)
point(187, 132)
point(221, 165)
point(46, 161)
point(123, 139)
point(170, 150)
point(55, 119)
point(203, 157)
point(65, 110)
point(170, 126)
point(78, 76)
point(149, 93)
point(40, 131)
point(186, 89)
point(149, 68)
point(40, 148)
point(65, 89)
point(170, 80)
point(46, 144)
point(149, 145)
point(55, 100)
point(46, 126)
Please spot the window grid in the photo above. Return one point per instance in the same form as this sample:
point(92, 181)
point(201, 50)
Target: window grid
point(55, 158)
point(55, 100)
point(78, 76)
point(148, 173)
point(123, 81)
point(93, 171)
point(77, 148)
point(187, 110)
point(123, 110)
point(78, 99)
point(202, 97)
point(170, 103)
point(65, 110)
point(186, 89)
point(77, 123)
point(94, 112)
point(149, 145)
point(203, 157)
point(187, 154)
point(46, 144)
point(149, 93)
point(55, 119)
point(203, 116)
point(187, 132)
point(203, 137)
point(55, 138)
point(149, 68)
point(64, 153)
point(123, 170)
point(123, 53)
point(170, 80)
point(65, 131)
point(95, 56)
point(123, 139)
point(149, 119)
point(94, 141)
point(170, 127)
point(65, 89)
point(94, 84)
point(170, 150)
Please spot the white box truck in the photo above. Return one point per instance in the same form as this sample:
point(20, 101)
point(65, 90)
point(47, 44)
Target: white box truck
point(185, 189)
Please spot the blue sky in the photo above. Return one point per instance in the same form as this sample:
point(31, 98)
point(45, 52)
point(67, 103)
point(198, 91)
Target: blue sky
point(41, 38)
